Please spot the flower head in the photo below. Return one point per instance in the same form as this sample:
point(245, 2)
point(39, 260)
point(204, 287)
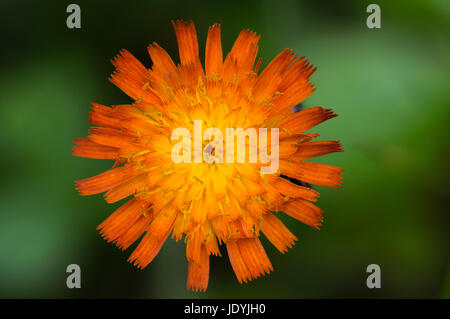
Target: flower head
point(207, 204)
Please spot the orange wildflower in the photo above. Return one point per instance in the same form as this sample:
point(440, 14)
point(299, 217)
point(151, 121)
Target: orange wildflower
point(207, 204)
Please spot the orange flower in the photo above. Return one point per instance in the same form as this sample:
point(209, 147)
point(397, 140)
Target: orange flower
point(210, 204)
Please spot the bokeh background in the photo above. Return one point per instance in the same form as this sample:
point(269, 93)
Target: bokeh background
point(390, 87)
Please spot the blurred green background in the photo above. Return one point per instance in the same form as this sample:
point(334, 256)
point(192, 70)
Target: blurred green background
point(390, 87)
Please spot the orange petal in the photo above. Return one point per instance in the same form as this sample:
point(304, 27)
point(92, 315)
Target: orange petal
point(187, 41)
point(84, 147)
point(119, 222)
point(305, 212)
point(126, 189)
point(162, 62)
point(286, 149)
point(198, 257)
point(106, 180)
point(257, 65)
point(156, 235)
point(237, 262)
point(130, 76)
point(110, 137)
point(213, 51)
point(101, 116)
point(194, 245)
point(277, 233)
point(321, 174)
point(248, 259)
point(198, 272)
point(211, 245)
point(306, 119)
point(243, 53)
point(294, 88)
point(292, 190)
point(135, 231)
point(319, 148)
point(296, 75)
point(270, 78)
point(273, 198)
point(255, 257)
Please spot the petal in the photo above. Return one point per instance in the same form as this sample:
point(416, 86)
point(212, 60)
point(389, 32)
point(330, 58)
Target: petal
point(110, 137)
point(101, 116)
point(319, 148)
point(292, 190)
point(243, 53)
point(198, 272)
point(187, 41)
point(198, 258)
point(106, 180)
point(213, 51)
point(297, 74)
point(156, 235)
point(131, 76)
point(84, 147)
point(162, 62)
point(126, 189)
point(135, 231)
point(305, 212)
point(277, 233)
point(313, 173)
point(271, 77)
point(122, 220)
point(321, 174)
point(248, 259)
point(306, 119)
point(237, 262)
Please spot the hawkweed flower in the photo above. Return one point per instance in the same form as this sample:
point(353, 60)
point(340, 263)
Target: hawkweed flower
point(207, 204)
